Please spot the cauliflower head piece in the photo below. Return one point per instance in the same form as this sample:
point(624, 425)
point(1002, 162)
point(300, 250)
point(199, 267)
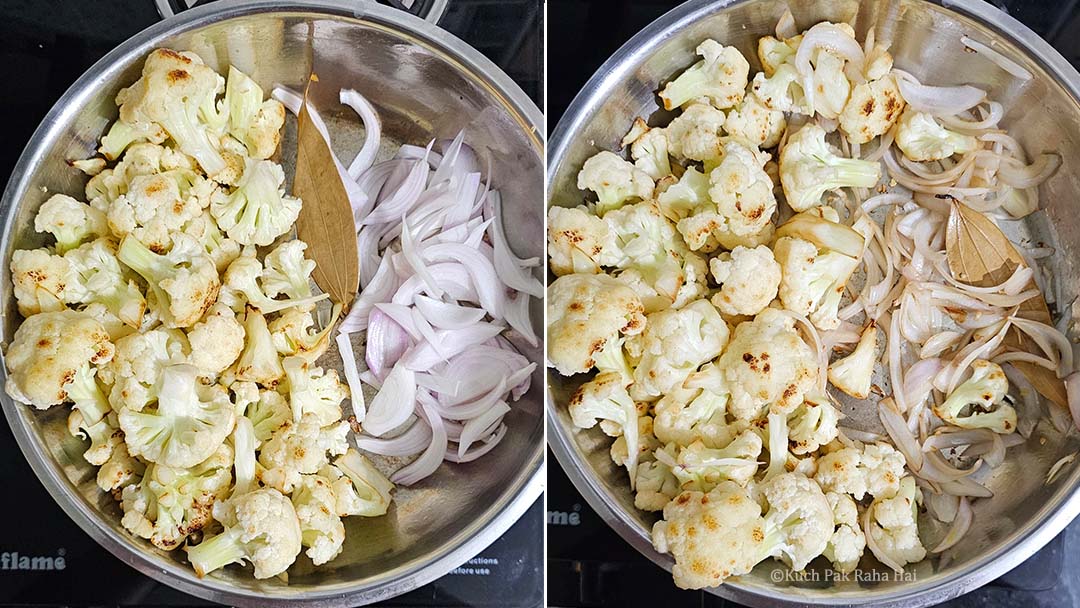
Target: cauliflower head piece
point(314, 391)
point(854, 373)
point(809, 167)
point(135, 371)
point(754, 123)
point(52, 355)
point(696, 133)
point(650, 149)
point(184, 281)
point(766, 364)
point(216, 341)
point(876, 469)
point(813, 279)
point(321, 530)
point(39, 280)
point(604, 399)
point(846, 545)
point(297, 449)
point(372, 489)
point(720, 78)
point(686, 415)
point(258, 210)
point(580, 242)
point(873, 109)
point(70, 222)
point(158, 205)
point(615, 181)
point(675, 343)
point(96, 276)
point(254, 122)
point(978, 403)
point(921, 138)
point(702, 468)
point(799, 522)
point(812, 425)
point(749, 279)
point(893, 525)
point(584, 313)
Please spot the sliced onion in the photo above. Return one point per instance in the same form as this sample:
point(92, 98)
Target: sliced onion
point(966, 486)
point(476, 427)
point(352, 376)
point(372, 131)
point(1002, 61)
point(516, 313)
point(507, 265)
point(476, 451)
point(1057, 467)
point(960, 526)
point(387, 342)
point(445, 315)
point(1072, 390)
point(438, 384)
point(481, 271)
point(380, 288)
point(940, 101)
point(871, 542)
point(423, 356)
point(412, 441)
point(432, 457)
point(901, 435)
point(394, 402)
point(477, 407)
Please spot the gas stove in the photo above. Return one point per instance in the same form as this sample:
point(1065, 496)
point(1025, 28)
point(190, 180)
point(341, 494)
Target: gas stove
point(589, 565)
point(45, 559)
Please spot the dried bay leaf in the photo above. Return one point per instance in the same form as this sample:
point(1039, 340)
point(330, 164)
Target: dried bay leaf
point(979, 254)
point(325, 222)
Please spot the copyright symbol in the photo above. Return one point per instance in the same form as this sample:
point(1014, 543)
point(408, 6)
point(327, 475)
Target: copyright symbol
point(777, 576)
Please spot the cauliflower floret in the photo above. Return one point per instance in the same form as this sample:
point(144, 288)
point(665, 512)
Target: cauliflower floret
point(812, 425)
point(145, 159)
point(259, 361)
point(748, 279)
point(184, 281)
point(188, 424)
point(51, 356)
point(102, 434)
point(656, 486)
point(772, 53)
point(755, 124)
point(830, 87)
point(646, 444)
point(685, 196)
point(122, 135)
point(301, 448)
point(157, 206)
point(979, 403)
point(95, 276)
point(846, 545)
point(711, 536)
point(875, 470)
point(808, 167)
point(614, 180)
point(258, 210)
point(216, 341)
point(135, 371)
point(254, 122)
point(892, 524)
point(268, 413)
point(720, 78)
point(261, 527)
point(702, 468)
point(313, 391)
point(293, 333)
point(120, 470)
point(39, 280)
point(584, 312)
point(921, 138)
point(171, 503)
point(372, 487)
point(799, 522)
point(874, 107)
point(70, 221)
point(178, 93)
point(766, 364)
point(604, 399)
point(321, 529)
point(241, 284)
point(813, 279)
point(221, 249)
point(696, 133)
point(286, 271)
point(579, 242)
point(649, 148)
point(853, 373)
point(675, 343)
point(684, 416)
point(782, 90)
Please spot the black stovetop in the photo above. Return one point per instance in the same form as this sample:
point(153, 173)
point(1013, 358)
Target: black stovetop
point(44, 46)
point(588, 564)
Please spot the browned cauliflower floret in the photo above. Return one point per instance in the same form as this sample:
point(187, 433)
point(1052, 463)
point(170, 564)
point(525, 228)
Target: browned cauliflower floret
point(585, 311)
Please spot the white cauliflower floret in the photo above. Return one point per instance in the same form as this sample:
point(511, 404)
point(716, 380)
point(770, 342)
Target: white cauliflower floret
point(584, 312)
point(921, 138)
point(258, 210)
point(155, 207)
point(102, 434)
point(720, 78)
point(684, 416)
point(809, 167)
point(170, 503)
point(70, 221)
point(178, 93)
point(135, 370)
point(702, 468)
point(766, 363)
point(294, 334)
point(254, 122)
point(297, 449)
point(221, 249)
point(656, 486)
point(853, 373)
point(649, 148)
point(313, 391)
point(95, 276)
point(216, 341)
point(685, 196)
point(647, 443)
point(846, 545)
point(260, 527)
point(372, 487)
point(875, 470)
point(51, 356)
point(782, 91)
point(321, 529)
point(675, 343)
point(614, 180)
point(120, 470)
point(184, 281)
point(241, 284)
point(892, 523)
point(267, 413)
point(579, 242)
point(187, 425)
point(755, 124)
point(39, 280)
point(873, 108)
point(696, 133)
point(259, 361)
point(286, 271)
point(799, 522)
point(812, 425)
point(813, 279)
point(748, 279)
point(772, 53)
point(712, 537)
point(978, 403)
point(604, 399)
